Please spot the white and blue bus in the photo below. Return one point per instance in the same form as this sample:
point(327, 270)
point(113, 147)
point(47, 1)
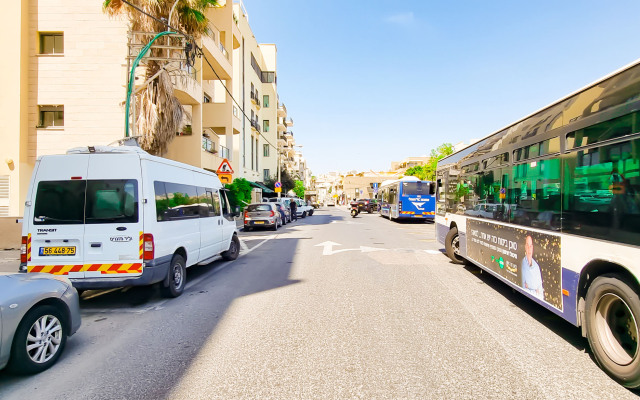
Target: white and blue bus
point(550, 205)
point(408, 198)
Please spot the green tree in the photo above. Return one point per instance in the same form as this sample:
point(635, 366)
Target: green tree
point(160, 113)
point(298, 189)
point(287, 181)
point(239, 192)
point(418, 171)
point(437, 154)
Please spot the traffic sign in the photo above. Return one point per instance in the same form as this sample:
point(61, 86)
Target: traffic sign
point(278, 189)
point(278, 184)
point(225, 167)
point(225, 178)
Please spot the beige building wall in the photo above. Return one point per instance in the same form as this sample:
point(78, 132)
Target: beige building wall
point(88, 79)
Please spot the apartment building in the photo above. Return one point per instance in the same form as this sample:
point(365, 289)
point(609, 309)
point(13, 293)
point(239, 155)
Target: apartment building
point(64, 85)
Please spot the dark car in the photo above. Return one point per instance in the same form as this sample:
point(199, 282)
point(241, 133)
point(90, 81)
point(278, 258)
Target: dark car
point(368, 205)
point(284, 212)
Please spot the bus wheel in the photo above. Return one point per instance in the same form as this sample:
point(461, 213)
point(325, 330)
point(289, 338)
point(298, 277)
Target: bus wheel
point(612, 312)
point(452, 245)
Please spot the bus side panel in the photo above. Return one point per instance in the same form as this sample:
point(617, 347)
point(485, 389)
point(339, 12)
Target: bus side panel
point(570, 281)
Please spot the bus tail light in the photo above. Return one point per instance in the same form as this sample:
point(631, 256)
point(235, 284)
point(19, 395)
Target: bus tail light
point(23, 250)
point(147, 246)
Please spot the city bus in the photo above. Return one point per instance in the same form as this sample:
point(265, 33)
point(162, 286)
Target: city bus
point(408, 198)
point(550, 205)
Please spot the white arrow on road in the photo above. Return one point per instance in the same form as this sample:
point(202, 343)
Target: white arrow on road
point(328, 248)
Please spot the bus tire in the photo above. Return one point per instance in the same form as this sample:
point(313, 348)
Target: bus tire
point(612, 315)
point(173, 285)
point(452, 246)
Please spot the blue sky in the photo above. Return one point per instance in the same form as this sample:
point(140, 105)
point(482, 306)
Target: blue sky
point(371, 82)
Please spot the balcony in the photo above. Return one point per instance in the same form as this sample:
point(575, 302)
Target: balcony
point(255, 125)
point(288, 122)
point(282, 111)
point(186, 89)
point(215, 51)
point(281, 125)
point(255, 99)
point(216, 115)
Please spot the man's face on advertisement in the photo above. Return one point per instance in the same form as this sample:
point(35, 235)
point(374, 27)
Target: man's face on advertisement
point(528, 248)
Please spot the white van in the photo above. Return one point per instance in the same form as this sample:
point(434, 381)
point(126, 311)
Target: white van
point(116, 216)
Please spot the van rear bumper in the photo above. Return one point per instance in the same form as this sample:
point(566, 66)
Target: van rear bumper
point(153, 271)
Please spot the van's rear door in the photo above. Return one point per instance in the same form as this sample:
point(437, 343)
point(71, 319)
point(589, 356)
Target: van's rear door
point(113, 217)
point(55, 236)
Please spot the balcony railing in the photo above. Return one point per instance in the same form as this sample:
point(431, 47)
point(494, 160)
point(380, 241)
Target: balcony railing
point(224, 152)
point(255, 98)
point(208, 145)
point(255, 124)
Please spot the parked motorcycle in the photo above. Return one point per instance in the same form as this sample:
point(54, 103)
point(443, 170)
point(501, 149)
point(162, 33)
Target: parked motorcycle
point(354, 209)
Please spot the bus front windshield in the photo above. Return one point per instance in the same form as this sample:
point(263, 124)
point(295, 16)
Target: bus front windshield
point(416, 188)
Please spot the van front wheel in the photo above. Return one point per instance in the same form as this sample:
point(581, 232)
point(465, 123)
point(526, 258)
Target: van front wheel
point(176, 277)
point(234, 249)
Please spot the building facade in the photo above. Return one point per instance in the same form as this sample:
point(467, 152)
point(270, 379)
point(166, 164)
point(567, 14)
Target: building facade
point(66, 85)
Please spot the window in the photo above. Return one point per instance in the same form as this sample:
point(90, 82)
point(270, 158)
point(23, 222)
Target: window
point(265, 101)
point(60, 202)
point(265, 175)
point(265, 125)
point(614, 128)
point(602, 193)
point(265, 150)
point(50, 116)
point(207, 98)
point(51, 43)
point(182, 201)
point(415, 188)
point(112, 201)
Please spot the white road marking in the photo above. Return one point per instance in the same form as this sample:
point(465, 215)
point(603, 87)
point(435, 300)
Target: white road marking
point(327, 249)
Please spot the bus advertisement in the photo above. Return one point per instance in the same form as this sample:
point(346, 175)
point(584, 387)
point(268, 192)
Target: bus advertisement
point(408, 198)
point(550, 205)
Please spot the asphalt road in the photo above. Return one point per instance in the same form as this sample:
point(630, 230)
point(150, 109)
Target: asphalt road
point(329, 307)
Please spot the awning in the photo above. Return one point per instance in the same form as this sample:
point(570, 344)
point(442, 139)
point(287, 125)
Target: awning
point(261, 186)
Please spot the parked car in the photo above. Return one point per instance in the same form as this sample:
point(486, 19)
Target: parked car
point(303, 209)
point(118, 216)
point(285, 213)
point(262, 215)
point(368, 205)
point(39, 312)
point(331, 203)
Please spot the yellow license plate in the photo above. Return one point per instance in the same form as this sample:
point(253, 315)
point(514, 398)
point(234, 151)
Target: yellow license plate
point(258, 222)
point(58, 251)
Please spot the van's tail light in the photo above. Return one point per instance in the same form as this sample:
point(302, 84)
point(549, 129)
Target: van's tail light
point(23, 250)
point(148, 247)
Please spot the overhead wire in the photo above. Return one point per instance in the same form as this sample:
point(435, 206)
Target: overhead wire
point(200, 52)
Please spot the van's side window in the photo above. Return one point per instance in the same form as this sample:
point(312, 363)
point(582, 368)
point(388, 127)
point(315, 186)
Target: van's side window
point(59, 202)
point(112, 201)
point(162, 203)
point(226, 207)
point(205, 202)
point(217, 207)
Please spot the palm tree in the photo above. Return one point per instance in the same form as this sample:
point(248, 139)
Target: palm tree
point(160, 113)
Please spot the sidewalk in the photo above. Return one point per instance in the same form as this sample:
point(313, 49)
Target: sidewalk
point(9, 260)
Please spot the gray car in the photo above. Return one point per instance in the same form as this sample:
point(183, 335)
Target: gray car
point(262, 215)
point(37, 314)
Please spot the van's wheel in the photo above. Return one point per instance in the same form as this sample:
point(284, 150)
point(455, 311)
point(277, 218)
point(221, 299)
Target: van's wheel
point(38, 341)
point(173, 285)
point(452, 245)
point(612, 318)
point(234, 249)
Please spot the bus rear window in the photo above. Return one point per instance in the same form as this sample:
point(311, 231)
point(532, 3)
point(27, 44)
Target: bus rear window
point(414, 188)
point(59, 203)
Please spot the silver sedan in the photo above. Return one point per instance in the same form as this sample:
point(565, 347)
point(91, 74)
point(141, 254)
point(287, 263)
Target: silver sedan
point(37, 314)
